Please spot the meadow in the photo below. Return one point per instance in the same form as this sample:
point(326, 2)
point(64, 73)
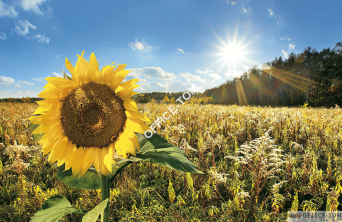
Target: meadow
point(259, 163)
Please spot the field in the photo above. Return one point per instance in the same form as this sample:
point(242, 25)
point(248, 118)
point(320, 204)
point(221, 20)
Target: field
point(259, 163)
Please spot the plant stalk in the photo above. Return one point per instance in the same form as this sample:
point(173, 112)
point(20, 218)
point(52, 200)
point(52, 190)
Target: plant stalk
point(105, 190)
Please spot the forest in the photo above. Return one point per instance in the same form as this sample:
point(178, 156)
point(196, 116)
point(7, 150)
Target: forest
point(311, 76)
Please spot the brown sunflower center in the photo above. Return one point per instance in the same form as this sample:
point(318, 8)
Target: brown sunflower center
point(92, 115)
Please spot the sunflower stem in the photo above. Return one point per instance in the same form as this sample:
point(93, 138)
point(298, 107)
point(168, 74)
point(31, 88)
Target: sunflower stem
point(105, 190)
point(111, 179)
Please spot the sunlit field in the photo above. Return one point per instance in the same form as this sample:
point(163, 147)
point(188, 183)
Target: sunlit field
point(259, 163)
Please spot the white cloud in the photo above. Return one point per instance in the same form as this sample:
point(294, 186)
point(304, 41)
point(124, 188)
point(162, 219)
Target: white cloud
point(271, 12)
point(142, 80)
point(8, 81)
point(39, 79)
point(58, 56)
point(292, 46)
point(173, 86)
point(55, 74)
point(49, 12)
point(245, 67)
point(23, 27)
point(231, 2)
point(179, 50)
point(26, 83)
point(234, 73)
point(285, 54)
point(139, 45)
point(18, 94)
point(277, 18)
point(204, 72)
point(285, 38)
point(54, 27)
point(244, 10)
point(170, 86)
point(42, 38)
point(214, 76)
point(28, 5)
point(2, 36)
point(7, 10)
point(151, 72)
point(191, 78)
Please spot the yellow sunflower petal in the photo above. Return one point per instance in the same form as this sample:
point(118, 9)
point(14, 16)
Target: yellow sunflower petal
point(77, 166)
point(63, 151)
point(136, 115)
point(118, 76)
point(47, 102)
point(129, 95)
point(129, 132)
point(61, 82)
point(53, 93)
point(125, 92)
point(96, 160)
point(108, 160)
point(129, 83)
point(93, 70)
point(102, 153)
point(135, 141)
point(130, 105)
point(82, 69)
point(118, 148)
point(50, 144)
point(71, 155)
point(119, 88)
point(71, 69)
point(43, 118)
point(56, 150)
point(126, 143)
point(88, 159)
point(137, 127)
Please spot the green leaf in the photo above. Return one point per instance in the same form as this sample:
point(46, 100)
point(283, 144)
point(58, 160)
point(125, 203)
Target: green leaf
point(54, 209)
point(94, 214)
point(32, 128)
point(90, 180)
point(158, 151)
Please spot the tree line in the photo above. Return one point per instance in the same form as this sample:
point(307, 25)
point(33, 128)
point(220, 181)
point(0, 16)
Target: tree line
point(311, 76)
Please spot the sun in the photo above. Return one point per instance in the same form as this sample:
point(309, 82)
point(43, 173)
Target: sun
point(232, 53)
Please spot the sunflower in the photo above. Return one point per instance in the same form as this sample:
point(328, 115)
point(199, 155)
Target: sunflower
point(89, 118)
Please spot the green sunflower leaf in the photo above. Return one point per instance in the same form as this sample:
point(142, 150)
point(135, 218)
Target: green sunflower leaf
point(36, 137)
point(94, 214)
point(54, 209)
point(158, 151)
point(90, 180)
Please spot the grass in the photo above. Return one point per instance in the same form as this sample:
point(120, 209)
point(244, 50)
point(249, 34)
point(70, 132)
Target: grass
point(260, 162)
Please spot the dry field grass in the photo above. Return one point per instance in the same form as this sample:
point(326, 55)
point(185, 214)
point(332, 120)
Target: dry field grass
point(259, 163)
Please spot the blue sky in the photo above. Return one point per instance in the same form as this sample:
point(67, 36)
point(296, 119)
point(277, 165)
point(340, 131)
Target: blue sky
point(169, 45)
